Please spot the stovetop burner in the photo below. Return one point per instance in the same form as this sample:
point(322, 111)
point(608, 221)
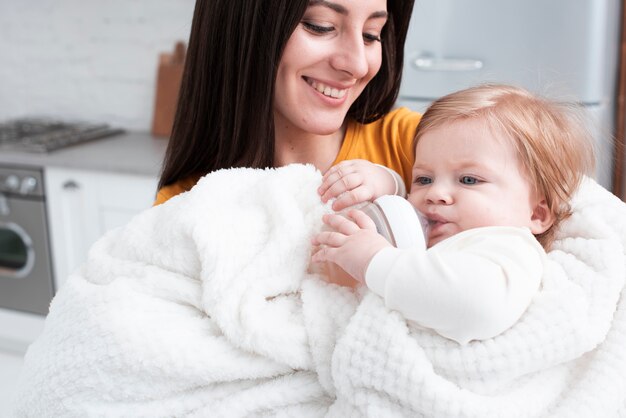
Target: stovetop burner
point(45, 135)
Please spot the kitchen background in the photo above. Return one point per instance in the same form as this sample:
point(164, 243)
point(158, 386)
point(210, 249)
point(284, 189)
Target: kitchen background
point(77, 60)
point(92, 60)
point(98, 61)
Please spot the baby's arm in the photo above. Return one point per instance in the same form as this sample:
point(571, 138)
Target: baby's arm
point(472, 286)
point(356, 181)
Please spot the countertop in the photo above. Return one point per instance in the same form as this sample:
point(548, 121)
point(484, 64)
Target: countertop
point(128, 153)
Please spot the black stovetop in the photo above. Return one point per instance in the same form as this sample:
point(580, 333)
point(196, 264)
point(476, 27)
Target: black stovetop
point(45, 135)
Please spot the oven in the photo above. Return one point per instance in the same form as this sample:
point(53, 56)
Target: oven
point(26, 282)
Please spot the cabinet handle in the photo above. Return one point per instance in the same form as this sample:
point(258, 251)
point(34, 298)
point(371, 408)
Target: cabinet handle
point(70, 185)
point(447, 64)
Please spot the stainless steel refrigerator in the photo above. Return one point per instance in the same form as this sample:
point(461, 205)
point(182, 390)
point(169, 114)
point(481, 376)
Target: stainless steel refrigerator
point(564, 49)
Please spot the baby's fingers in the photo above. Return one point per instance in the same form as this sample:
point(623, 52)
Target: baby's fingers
point(324, 254)
point(340, 185)
point(362, 220)
point(341, 224)
point(352, 197)
point(339, 170)
point(333, 174)
point(328, 239)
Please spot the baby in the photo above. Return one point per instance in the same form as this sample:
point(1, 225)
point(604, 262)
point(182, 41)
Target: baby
point(495, 167)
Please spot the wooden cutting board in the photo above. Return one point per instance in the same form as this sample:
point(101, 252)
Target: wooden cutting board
point(169, 75)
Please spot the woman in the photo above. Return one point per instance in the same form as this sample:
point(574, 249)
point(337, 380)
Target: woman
point(273, 82)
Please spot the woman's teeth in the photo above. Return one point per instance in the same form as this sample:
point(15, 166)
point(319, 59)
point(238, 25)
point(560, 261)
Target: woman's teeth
point(327, 90)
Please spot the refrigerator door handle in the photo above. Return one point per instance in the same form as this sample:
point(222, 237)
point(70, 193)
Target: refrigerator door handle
point(447, 64)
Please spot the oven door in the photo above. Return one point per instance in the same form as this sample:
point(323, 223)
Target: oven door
point(25, 266)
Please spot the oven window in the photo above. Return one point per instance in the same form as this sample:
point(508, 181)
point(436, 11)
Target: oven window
point(13, 250)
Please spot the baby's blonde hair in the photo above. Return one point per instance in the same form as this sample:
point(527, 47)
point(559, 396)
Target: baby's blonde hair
point(554, 147)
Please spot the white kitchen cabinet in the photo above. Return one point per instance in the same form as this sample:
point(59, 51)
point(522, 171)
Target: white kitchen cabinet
point(82, 205)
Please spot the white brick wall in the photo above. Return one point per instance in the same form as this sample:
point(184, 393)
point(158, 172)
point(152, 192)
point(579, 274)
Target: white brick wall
point(92, 60)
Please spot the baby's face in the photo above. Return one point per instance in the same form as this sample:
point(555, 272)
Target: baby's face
point(465, 177)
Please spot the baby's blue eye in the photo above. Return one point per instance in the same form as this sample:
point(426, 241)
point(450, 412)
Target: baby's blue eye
point(423, 180)
point(468, 180)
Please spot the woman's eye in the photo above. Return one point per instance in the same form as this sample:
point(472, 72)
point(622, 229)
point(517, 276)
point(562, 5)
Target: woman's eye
point(369, 38)
point(320, 30)
point(468, 180)
point(423, 180)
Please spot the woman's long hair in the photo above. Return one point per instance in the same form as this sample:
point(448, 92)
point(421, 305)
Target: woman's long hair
point(225, 107)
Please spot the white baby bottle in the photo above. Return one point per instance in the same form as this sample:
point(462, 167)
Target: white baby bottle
point(396, 220)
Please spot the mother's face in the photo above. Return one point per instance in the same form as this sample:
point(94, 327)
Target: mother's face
point(329, 59)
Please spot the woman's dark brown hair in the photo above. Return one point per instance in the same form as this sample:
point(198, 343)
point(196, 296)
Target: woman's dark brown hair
point(225, 107)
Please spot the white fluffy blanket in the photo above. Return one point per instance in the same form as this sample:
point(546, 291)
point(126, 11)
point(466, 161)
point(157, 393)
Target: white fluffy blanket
point(202, 307)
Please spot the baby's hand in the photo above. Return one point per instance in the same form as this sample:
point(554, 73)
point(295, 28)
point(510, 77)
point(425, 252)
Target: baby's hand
point(351, 243)
point(356, 181)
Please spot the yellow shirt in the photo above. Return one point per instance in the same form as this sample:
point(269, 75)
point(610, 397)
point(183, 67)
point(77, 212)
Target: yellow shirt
point(387, 141)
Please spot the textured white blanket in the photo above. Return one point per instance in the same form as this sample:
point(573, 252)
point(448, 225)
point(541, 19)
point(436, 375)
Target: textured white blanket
point(202, 307)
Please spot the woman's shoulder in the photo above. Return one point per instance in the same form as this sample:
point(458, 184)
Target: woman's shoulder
point(403, 117)
point(165, 193)
point(387, 141)
point(399, 123)
point(395, 128)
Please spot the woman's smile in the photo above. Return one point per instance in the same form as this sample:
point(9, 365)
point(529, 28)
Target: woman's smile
point(327, 63)
point(326, 89)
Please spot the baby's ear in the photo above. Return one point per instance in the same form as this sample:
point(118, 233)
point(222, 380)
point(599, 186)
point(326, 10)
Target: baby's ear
point(542, 218)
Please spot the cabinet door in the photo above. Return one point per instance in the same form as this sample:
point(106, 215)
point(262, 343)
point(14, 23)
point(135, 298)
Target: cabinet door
point(71, 203)
point(83, 205)
point(121, 197)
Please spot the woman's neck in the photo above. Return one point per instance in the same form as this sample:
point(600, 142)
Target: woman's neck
point(303, 147)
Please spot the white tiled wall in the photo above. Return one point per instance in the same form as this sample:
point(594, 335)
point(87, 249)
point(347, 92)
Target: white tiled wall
point(86, 59)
